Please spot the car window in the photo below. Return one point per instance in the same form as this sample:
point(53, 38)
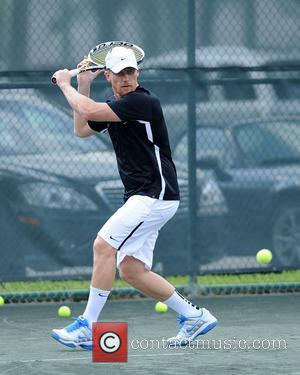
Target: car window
point(202, 89)
point(287, 90)
point(210, 143)
point(237, 91)
point(11, 140)
point(264, 143)
point(53, 132)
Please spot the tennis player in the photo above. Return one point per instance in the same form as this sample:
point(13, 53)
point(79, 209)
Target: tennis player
point(136, 125)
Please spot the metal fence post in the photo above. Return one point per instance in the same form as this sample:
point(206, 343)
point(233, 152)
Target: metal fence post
point(191, 131)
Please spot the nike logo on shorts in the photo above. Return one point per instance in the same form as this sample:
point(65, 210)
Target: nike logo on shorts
point(113, 238)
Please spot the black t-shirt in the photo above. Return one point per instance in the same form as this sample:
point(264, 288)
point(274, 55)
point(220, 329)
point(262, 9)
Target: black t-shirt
point(142, 146)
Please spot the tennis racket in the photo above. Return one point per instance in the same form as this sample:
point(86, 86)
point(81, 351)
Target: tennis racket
point(97, 55)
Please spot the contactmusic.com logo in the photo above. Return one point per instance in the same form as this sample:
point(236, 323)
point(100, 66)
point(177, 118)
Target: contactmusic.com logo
point(110, 342)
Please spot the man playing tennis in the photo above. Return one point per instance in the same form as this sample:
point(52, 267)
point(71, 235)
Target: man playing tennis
point(136, 125)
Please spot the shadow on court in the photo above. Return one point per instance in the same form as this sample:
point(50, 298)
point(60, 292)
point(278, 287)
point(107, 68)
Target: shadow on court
point(256, 335)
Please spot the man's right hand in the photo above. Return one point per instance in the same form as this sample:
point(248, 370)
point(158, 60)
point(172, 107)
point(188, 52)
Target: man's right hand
point(86, 78)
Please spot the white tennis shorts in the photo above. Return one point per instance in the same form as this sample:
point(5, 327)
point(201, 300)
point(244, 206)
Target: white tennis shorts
point(134, 227)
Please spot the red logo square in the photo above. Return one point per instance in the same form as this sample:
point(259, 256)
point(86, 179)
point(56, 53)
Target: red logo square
point(110, 342)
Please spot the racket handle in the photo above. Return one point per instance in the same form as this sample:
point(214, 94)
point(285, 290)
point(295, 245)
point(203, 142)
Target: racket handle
point(73, 73)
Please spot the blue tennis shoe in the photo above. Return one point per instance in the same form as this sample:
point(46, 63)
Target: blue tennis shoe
point(75, 334)
point(191, 328)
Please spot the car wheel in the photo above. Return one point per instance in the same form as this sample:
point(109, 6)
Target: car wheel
point(286, 234)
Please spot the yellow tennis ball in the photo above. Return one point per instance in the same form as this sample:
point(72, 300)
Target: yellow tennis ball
point(161, 307)
point(2, 301)
point(264, 256)
point(64, 312)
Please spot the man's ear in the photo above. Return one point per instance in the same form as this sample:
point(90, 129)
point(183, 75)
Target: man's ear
point(107, 75)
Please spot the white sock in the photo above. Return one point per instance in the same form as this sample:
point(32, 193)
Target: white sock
point(182, 306)
point(96, 301)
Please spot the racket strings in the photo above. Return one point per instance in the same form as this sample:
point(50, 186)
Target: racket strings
point(98, 54)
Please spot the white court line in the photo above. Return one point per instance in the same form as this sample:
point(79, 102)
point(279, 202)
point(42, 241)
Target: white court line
point(89, 358)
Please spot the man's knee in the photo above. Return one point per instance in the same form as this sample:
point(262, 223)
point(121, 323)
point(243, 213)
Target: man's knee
point(124, 272)
point(101, 247)
point(130, 269)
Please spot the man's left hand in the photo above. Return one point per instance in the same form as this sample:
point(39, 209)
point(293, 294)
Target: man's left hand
point(63, 77)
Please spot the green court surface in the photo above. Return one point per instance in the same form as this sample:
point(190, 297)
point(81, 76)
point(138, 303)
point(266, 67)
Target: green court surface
point(256, 335)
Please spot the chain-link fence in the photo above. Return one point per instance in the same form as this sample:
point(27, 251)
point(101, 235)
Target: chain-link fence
point(227, 74)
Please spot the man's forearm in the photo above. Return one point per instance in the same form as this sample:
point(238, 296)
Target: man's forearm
point(87, 108)
point(81, 128)
point(84, 89)
point(77, 101)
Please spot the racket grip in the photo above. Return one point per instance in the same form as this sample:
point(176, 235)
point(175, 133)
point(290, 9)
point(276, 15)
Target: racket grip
point(73, 73)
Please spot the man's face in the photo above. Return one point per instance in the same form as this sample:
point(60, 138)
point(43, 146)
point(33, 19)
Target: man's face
point(123, 82)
